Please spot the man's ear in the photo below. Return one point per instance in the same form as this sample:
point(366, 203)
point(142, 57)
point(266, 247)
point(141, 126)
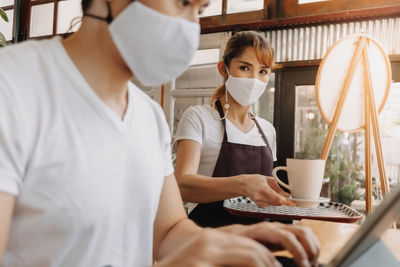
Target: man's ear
point(222, 70)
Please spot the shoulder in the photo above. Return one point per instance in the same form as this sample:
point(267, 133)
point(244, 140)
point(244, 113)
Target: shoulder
point(24, 56)
point(266, 125)
point(25, 65)
point(201, 113)
point(24, 69)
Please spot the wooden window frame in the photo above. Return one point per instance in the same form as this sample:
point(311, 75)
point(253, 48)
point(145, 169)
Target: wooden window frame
point(6, 8)
point(288, 13)
point(291, 8)
point(55, 17)
point(22, 20)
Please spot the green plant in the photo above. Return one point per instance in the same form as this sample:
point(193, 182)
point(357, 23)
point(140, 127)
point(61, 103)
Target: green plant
point(343, 167)
point(3, 15)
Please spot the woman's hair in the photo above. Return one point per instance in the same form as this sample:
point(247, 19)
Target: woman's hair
point(235, 48)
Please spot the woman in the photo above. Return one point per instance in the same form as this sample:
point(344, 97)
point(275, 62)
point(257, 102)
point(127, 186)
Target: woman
point(85, 164)
point(224, 140)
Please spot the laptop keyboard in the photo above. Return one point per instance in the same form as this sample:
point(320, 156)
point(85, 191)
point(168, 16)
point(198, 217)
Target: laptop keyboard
point(289, 262)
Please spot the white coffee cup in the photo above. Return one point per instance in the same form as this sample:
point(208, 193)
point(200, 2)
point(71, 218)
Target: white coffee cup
point(305, 177)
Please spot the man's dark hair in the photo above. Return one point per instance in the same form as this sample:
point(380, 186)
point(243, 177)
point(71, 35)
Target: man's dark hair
point(85, 5)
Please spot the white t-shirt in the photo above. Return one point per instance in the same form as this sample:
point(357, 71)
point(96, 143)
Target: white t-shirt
point(201, 123)
point(87, 183)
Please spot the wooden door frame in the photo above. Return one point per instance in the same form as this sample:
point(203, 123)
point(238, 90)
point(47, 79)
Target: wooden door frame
point(286, 81)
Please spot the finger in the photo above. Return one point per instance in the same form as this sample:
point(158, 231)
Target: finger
point(274, 185)
point(289, 202)
point(244, 257)
point(308, 240)
point(272, 197)
point(291, 243)
point(284, 194)
point(315, 263)
point(242, 251)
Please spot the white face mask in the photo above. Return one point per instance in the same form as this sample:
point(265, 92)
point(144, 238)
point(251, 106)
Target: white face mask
point(156, 47)
point(245, 91)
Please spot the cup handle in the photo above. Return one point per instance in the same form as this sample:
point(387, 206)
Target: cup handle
point(274, 171)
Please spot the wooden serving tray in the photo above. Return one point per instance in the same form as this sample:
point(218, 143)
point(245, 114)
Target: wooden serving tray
point(331, 211)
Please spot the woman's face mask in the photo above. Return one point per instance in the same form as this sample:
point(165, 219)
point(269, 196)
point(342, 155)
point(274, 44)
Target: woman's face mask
point(247, 77)
point(245, 91)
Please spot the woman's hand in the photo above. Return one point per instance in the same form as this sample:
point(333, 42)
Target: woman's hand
point(216, 248)
point(264, 190)
point(299, 240)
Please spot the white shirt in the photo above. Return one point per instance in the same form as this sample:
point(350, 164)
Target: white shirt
point(202, 124)
point(87, 183)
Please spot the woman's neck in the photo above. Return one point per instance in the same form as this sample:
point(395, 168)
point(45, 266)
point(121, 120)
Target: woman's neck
point(237, 114)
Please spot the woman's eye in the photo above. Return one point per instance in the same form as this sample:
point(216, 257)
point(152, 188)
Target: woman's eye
point(244, 68)
point(264, 72)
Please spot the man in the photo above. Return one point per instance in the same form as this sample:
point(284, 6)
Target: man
point(85, 171)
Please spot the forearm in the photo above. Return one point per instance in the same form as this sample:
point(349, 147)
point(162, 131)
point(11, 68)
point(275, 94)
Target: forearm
point(177, 237)
point(202, 189)
point(7, 205)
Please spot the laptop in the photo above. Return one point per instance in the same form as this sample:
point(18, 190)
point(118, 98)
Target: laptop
point(365, 248)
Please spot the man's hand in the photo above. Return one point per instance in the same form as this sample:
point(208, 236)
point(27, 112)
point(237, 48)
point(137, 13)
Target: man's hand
point(300, 241)
point(215, 248)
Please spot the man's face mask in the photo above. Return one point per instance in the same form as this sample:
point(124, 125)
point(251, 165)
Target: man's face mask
point(155, 47)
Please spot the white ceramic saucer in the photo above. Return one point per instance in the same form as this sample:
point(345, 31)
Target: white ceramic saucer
point(306, 203)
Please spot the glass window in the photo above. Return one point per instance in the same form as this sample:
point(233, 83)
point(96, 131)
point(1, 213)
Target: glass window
point(6, 28)
point(205, 56)
point(42, 20)
point(344, 172)
point(213, 9)
point(235, 6)
point(390, 129)
point(6, 3)
point(67, 12)
point(266, 103)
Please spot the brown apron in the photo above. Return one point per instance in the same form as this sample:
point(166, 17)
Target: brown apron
point(234, 159)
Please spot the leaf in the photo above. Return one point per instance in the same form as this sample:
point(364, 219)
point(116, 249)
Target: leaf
point(2, 40)
point(3, 15)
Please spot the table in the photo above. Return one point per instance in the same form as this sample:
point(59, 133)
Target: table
point(333, 236)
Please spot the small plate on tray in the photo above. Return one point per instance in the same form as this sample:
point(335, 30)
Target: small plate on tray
point(307, 203)
point(328, 211)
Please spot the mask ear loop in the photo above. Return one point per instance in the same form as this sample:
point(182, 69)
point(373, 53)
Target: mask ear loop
point(75, 21)
point(107, 19)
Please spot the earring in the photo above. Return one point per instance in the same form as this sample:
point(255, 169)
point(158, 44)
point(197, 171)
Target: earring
point(226, 106)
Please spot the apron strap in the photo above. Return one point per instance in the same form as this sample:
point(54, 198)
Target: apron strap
point(222, 115)
point(262, 132)
point(220, 110)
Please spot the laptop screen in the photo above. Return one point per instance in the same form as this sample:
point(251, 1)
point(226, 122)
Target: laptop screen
point(370, 232)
